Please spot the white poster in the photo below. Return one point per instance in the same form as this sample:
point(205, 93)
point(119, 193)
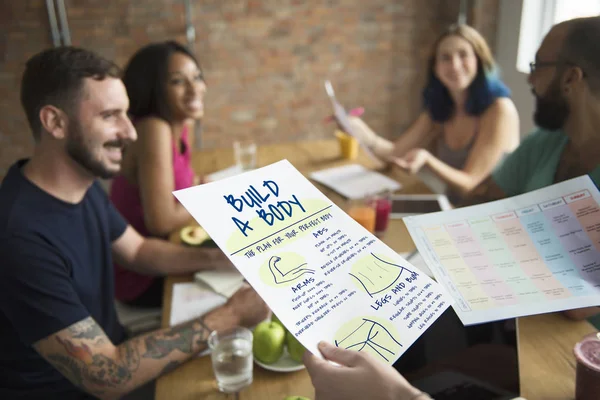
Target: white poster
point(322, 274)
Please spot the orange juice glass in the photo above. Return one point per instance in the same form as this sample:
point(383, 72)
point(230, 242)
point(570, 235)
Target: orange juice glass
point(363, 212)
point(348, 145)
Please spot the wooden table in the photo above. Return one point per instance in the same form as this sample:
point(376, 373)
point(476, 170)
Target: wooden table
point(546, 363)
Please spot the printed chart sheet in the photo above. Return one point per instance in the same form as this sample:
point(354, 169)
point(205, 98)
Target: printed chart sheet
point(530, 254)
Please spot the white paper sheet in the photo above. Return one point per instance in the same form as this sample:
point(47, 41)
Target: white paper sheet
point(344, 121)
point(354, 181)
point(322, 274)
point(530, 254)
point(190, 301)
point(224, 283)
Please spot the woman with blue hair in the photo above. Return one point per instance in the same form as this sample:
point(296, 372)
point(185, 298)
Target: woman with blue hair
point(468, 123)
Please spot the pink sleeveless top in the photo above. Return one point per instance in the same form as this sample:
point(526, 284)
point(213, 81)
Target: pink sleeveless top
point(126, 198)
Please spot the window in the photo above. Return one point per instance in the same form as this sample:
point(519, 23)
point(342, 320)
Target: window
point(538, 17)
point(564, 10)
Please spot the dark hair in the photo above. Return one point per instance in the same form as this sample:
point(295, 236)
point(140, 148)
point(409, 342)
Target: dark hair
point(580, 48)
point(145, 78)
point(483, 91)
point(55, 77)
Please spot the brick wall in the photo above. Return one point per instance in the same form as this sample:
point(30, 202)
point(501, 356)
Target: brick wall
point(265, 60)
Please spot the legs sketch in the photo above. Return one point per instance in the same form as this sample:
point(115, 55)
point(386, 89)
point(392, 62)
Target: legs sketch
point(370, 336)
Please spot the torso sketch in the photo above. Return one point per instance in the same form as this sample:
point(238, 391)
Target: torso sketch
point(376, 275)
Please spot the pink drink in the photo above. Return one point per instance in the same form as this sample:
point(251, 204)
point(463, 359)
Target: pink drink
point(587, 353)
point(383, 207)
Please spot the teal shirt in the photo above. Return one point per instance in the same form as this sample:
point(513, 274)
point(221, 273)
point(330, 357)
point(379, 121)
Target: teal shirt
point(533, 166)
point(595, 320)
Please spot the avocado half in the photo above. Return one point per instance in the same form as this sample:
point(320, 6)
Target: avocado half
point(193, 235)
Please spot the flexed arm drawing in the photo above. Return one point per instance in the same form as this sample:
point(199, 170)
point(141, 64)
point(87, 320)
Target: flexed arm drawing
point(279, 276)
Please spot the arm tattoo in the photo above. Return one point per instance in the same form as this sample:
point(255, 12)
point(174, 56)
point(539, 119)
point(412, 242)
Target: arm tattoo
point(97, 369)
point(92, 370)
point(182, 338)
point(86, 329)
point(130, 355)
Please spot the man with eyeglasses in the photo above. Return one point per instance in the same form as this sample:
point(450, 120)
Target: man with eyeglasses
point(565, 80)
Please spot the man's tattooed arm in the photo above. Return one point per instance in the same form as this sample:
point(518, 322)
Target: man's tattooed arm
point(85, 355)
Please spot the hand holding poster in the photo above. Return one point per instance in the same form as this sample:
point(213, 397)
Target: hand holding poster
point(322, 274)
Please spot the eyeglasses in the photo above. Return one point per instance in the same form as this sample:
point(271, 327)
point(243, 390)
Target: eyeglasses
point(537, 64)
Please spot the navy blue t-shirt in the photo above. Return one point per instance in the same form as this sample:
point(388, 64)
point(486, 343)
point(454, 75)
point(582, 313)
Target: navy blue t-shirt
point(55, 270)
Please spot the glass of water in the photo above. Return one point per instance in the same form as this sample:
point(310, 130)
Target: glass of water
point(231, 354)
point(245, 154)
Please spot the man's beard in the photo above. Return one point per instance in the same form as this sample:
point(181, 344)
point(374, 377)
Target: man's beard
point(79, 150)
point(552, 109)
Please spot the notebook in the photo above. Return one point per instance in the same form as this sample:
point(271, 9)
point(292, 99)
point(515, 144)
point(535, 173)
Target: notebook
point(354, 181)
point(191, 300)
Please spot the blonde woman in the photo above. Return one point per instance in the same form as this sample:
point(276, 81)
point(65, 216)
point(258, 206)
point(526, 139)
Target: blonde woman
point(468, 120)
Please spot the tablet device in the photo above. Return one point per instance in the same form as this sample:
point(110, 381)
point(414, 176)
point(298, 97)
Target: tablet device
point(414, 204)
point(453, 362)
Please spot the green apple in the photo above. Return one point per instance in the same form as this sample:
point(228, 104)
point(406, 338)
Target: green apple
point(296, 398)
point(276, 320)
point(268, 343)
point(294, 347)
